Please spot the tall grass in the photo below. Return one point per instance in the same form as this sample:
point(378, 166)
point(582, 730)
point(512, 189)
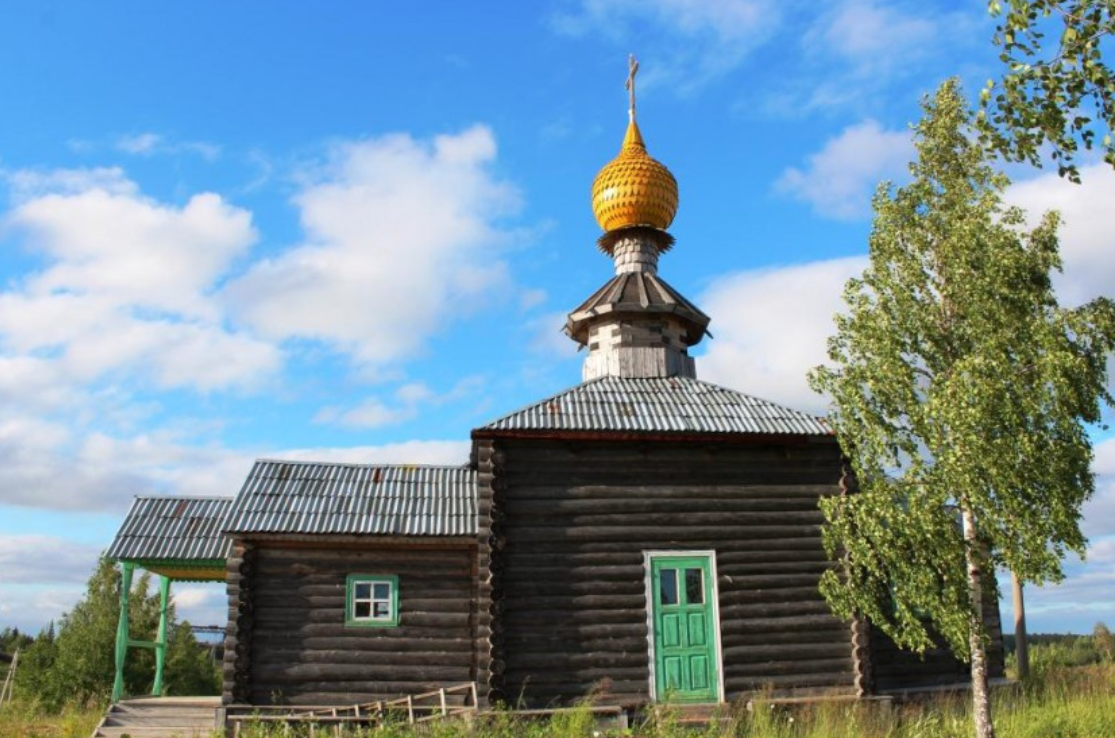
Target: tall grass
point(1058, 701)
point(24, 718)
point(1062, 702)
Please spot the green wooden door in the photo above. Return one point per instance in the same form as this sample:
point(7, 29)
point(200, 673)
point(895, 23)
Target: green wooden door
point(685, 662)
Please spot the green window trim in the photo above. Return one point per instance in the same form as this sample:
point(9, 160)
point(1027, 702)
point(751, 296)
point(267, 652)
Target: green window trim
point(372, 600)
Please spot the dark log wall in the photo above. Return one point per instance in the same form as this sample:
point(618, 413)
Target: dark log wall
point(895, 669)
point(574, 520)
point(301, 651)
point(240, 569)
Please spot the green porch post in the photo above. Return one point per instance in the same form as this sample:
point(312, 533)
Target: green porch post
point(122, 635)
point(160, 640)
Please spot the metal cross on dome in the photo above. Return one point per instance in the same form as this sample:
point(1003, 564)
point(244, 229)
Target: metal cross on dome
point(632, 68)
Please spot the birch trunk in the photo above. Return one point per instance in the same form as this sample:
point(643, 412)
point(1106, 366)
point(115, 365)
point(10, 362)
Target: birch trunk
point(981, 697)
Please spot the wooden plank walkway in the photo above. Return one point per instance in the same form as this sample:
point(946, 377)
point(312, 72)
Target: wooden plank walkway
point(161, 717)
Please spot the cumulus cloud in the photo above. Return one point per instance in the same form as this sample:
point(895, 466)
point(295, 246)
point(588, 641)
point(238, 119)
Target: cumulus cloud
point(127, 282)
point(838, 180)
point(401, 239)
point(61, 465)
point(1087, 239)
point(405, 452)
point(771, 326)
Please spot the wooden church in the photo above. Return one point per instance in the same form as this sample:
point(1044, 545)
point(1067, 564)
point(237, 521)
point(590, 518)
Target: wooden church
point(642, 536)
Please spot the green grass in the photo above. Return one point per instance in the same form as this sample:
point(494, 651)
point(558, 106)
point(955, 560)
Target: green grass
point(1059, 701)
point(1062, 702)
point(27, 719)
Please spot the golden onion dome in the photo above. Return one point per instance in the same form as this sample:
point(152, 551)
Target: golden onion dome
point(634, 189)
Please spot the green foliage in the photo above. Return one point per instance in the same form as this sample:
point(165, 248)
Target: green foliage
point(1056, 89)
point(189, 669)
point(77, 666)
point(958, 386)
point(1104, 642)
point(11, 640)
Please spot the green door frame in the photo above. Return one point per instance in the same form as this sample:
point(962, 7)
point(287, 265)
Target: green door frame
point(707, 562)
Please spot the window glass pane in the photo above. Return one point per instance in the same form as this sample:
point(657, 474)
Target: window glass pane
point(382, 610)
point(694, 587)
point(362, 590)
point(361, 609)
point(382, 591)
point(669, 582)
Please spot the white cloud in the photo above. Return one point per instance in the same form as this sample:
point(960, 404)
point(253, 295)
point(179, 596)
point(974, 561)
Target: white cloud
point(1087, 239)
point(771, 326)
point(151, 144)
point(838, 180)
point(401, 239)
point(29, 559)
point(405, 452)
point(371, 413)
point(126, 284)
point(56, 465)
point(855, 53)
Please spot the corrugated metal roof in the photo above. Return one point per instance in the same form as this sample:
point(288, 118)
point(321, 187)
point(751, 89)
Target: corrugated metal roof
point(186, 529)
point(373, 499)
point(656, 405)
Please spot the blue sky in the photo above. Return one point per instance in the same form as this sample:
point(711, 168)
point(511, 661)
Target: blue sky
point(351, 231)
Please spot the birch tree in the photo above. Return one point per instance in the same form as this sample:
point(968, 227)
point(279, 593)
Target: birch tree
point(961, 392)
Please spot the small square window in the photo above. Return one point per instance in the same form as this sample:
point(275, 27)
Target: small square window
point(372, 600)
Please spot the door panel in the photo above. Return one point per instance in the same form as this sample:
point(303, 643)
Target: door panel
point(685, 659)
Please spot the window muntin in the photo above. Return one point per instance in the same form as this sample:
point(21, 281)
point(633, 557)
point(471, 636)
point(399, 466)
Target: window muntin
point(372, 600)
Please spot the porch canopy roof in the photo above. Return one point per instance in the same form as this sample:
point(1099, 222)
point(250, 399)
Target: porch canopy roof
point(177, 537)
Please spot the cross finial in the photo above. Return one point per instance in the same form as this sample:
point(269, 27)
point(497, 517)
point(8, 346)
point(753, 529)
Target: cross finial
point(632, 68)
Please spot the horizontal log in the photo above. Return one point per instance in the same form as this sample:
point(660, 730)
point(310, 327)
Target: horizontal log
point(584, 631)
point(797, 475)
point(549, 568)
point(569, 586)
point(803, 667)
point(684, 515)
point(773, 609)
point(315, 621)
point(519, 644)
point(771, 594)
point(315, 692)
point(353, 650)
point(735, 564)
point(790, 622)
point(683, 539)
point(273, 604)
point(651, 537)
point(768, 582)
point(787, 652)
point(745, 684)
point(836, 633)
point(527, 662)
point(297, 673)
point(563, 501)
point(541, 676)
point(552, 606)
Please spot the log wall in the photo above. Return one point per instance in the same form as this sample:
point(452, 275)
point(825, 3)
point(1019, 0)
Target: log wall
point(574, 520)
point(896, 670)
point(298, 649)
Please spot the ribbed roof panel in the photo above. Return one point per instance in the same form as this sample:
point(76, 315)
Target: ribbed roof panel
point(186, 529)
point(295, 497)
point(657, 405)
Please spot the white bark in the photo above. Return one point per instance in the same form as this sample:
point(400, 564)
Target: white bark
point(981, 694)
